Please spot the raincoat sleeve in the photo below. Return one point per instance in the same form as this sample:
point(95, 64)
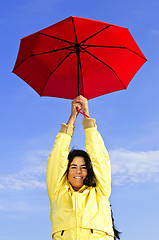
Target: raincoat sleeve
point(99, 156)
point(57, 161)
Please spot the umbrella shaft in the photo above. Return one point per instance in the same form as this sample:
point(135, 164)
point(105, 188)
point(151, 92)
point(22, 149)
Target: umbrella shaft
point(78, 66)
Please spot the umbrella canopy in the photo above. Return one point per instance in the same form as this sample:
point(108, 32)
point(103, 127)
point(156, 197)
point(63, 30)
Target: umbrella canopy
point(78, 56)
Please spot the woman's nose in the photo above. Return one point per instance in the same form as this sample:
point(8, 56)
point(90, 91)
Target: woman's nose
point(79, 170)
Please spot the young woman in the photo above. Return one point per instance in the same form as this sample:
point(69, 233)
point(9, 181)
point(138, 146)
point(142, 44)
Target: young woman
point(79, 183)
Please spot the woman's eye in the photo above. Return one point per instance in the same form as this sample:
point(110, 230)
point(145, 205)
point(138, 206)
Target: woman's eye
point(73, 167)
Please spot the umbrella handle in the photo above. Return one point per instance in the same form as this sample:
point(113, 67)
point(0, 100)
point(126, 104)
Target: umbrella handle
point(82, 112)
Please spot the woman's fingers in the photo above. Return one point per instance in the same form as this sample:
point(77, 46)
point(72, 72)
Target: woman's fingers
point(75, 105)
point(83, 103)
point(80, 99)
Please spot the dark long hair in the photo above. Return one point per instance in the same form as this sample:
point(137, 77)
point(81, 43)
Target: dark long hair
point(90, 179)
point(116, 232)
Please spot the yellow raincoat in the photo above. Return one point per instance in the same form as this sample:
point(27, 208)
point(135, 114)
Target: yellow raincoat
point(84, 214)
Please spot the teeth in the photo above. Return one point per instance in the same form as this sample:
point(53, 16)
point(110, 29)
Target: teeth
point(79, 177)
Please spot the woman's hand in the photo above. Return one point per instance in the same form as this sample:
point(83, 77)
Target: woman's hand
point(75, 105)
point(74, 112)
point(81, 103)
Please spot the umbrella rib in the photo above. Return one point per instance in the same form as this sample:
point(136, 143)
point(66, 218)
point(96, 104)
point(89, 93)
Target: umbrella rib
point(22, 62)
point(95, 34)
point(107, 66)
point(44, 34)
point(74, 30)
point(115, 47)
point(52, 51)
point(38, 54)
point(55, 70)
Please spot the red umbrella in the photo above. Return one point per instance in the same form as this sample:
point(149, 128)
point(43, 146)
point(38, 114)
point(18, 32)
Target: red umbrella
point(78, 56)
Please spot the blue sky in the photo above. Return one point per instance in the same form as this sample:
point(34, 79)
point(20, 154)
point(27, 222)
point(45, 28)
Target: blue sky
point(128, 121)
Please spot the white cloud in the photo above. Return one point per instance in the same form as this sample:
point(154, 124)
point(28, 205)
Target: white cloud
point(31, 176)
point(20, 206)
point(14, 206)
point(129, 166)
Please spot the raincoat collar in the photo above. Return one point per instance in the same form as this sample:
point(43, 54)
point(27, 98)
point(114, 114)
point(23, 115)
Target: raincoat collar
point(70, 188)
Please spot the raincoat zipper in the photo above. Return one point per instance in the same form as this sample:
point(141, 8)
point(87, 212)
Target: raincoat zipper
point(76, 214)
point(62, 232)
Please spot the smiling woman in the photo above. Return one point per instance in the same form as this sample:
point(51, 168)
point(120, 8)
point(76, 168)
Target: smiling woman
point(80, 162)
point(79, 183)
point(77, 172)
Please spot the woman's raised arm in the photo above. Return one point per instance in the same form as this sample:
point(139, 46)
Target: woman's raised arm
point(57, 161)
point(97, 151)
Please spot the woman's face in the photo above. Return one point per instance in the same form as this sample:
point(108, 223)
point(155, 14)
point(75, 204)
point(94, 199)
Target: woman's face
point(77, 172)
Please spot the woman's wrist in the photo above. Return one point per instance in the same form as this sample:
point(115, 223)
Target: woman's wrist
point(87, 114)
point(72, 119)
